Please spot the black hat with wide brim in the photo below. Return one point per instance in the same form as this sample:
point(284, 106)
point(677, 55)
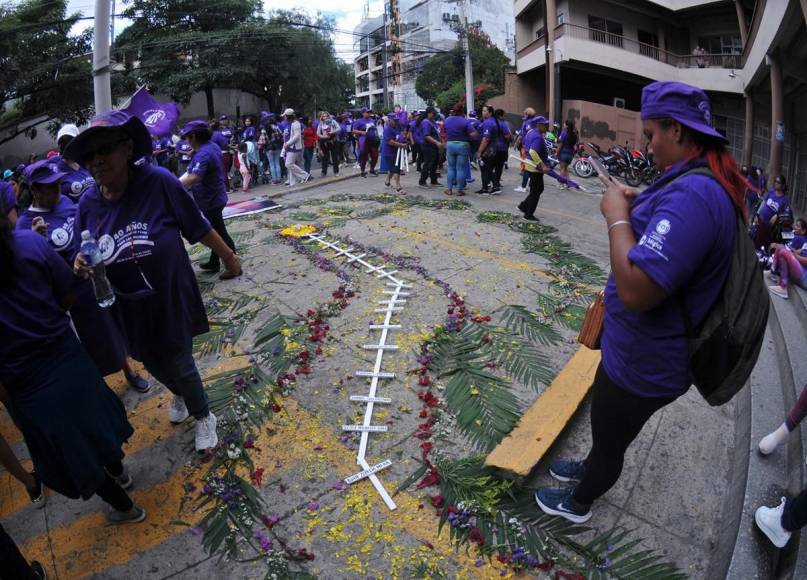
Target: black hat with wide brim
point(77, 149)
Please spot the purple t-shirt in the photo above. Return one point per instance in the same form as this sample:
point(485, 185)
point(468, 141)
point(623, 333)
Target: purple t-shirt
point(390, 134)
point(685, 230)
point(534, 140)
point(31, 315)
point(495, 133)
point(221, 140)
point(797, 244)
point(8, 199)
point(75, 181)
point(249, 133)
point(458, 128)
point(148, 223)
point(426, 129)
point(207, 163)
point(772, 205)
point(60, 220)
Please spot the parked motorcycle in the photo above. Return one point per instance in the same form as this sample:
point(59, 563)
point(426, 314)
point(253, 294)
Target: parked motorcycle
point(581, 165)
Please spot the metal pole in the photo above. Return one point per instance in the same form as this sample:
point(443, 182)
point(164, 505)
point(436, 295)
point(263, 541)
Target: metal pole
point(100, 59)
point(469, 71)
point(384, 69)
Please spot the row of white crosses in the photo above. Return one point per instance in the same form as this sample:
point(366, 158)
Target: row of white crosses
point(391, 305)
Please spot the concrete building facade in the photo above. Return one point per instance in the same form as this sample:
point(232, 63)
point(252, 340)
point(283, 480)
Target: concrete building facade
point(752, 65)
point(416, 30)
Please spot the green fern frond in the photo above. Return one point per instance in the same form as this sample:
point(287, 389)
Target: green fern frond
point(522, 360)
point(250, 397)
point(529, 325)
point(242, 236)
point(220, 334)
point(532, 228)
point(303, 216)
point(496, 217)
point(484, 408)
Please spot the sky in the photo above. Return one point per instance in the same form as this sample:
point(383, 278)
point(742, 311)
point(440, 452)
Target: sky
point(347, 16)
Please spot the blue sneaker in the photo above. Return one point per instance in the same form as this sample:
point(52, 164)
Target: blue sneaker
point(559, 502)
point(567, 471)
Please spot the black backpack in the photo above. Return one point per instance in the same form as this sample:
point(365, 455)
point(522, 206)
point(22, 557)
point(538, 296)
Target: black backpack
point(724, 349)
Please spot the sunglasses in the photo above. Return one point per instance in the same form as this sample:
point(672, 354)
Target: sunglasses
point(105, 148)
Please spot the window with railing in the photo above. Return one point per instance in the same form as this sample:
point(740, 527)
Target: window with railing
point(648, 44)
point(605, 30)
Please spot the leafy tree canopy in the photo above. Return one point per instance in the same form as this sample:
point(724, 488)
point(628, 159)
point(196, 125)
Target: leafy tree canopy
point(441, 81)
point(43, 70)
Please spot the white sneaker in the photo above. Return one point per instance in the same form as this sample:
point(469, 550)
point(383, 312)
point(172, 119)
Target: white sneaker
point(206, 437)
point(177, 411)
point(769, 520)
point(520, 190)
point(778, 291)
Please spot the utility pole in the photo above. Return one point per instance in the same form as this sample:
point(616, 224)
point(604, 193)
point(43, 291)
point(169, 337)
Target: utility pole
point(101, 73)
point(384, 68)
point(466, 48)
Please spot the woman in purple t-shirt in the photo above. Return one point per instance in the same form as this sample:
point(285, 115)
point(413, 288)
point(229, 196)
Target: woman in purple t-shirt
point(139, 215)
point(74, 425)
point(790, 261)
point(671, 248)
point(52, 215)
point(771, 211)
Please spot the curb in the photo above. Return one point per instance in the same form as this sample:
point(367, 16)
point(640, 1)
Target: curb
point(313, 184)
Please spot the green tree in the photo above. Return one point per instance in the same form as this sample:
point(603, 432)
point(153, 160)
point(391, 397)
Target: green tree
point(43, 69)
point(441, 81)
point(180, 47)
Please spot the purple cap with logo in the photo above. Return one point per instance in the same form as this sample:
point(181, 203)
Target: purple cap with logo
point(686, 104)
point(365, 110)
point(223, 118)
point(540, 120)
point(193, 126)
point(472, 114)
point(42, 172)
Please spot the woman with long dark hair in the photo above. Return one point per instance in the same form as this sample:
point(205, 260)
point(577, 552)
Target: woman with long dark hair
point(671, 248)
point(566, 144)
point(73, 424)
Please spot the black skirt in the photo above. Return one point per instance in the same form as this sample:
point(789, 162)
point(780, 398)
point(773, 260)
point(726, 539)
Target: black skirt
point(73, 423)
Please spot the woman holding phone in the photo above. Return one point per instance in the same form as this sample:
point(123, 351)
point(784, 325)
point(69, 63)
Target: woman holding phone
point(671, 247)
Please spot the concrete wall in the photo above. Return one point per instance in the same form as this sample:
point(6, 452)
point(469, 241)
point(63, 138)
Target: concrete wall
point(521, 92)
point(604, 125)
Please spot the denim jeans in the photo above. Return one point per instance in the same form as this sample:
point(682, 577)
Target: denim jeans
point(308, 157)
point(274, 164)
point(457, 153)
point(178, 372)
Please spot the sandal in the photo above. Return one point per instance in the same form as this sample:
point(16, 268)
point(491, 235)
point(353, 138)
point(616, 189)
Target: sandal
point(460, 193)
point(448, 192)
point(400, 191)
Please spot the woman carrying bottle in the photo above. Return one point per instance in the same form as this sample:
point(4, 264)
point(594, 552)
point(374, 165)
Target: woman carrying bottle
point(139, 215)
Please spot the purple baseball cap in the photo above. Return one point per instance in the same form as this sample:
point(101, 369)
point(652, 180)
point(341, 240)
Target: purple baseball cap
point(193, 126)
point(472, 114)
point(223, 118)
point(686, 104)
point(364, 110)
point(77, 150)
point(540, 120)
point(42, 172)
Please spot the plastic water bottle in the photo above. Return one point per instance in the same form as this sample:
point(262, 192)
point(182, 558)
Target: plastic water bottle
point(104, 294)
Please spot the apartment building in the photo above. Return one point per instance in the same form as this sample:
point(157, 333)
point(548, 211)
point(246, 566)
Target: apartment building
point(415, 31)
point(749, 55)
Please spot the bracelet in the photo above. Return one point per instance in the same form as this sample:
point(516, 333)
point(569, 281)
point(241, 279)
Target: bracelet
point(617, 223)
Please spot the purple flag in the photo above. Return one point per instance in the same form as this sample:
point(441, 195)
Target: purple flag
point(159, 118)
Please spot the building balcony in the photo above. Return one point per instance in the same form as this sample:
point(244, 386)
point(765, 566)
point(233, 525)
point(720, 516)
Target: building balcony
point(531, 56)
point(520, 6)
point(713, 72)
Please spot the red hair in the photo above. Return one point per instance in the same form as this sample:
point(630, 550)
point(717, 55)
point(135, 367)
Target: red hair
point(725, 170)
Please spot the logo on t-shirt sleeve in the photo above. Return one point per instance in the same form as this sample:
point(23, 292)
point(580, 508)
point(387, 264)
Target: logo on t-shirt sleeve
point(663, 227)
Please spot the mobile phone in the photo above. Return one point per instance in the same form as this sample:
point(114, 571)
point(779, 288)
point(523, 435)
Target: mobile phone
point(600, 168)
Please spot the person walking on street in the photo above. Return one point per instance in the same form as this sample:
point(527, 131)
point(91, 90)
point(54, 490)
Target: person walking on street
point(309, 143)
point(140, 215)
point(327, 139)
point(430, 147)
point(392, 143)
point(367, 133)
point(460, 133)
point(537, 160)
point(671, 248)
point(293, 146)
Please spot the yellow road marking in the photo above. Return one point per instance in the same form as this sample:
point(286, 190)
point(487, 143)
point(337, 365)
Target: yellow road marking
point(538, 428)
point(89, 545)
point(149, 418)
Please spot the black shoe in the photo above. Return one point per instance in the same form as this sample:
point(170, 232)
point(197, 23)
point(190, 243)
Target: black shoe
point(363, 174)
point(531, 218)
point(437, 184)
point(483, 190)
point(39, 570)
point(423, 185)
point(374, 172)
point(208, 267)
